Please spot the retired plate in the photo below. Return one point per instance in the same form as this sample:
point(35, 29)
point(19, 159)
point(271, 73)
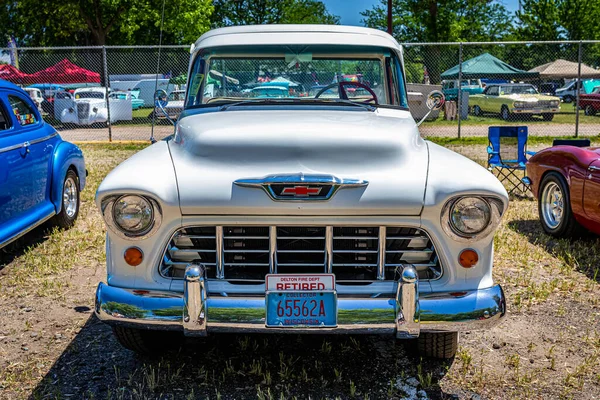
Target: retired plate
point(301, 301)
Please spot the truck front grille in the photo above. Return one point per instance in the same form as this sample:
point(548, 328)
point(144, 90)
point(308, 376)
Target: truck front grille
point(83, 110)
point(353, 254)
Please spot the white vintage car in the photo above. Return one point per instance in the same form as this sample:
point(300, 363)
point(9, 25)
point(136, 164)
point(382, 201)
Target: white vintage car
point(315, 214)
point(87, 106)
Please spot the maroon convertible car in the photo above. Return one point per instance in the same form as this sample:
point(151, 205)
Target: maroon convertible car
point(566, 181)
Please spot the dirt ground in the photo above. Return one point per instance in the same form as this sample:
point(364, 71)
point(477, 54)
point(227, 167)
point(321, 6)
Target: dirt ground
point(52, 347)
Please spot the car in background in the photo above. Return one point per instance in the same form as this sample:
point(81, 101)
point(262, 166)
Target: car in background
point(136, 103)
point(48, 89)
point(267, 92)
point(513, 99)
point(41, 175)
point(172, 107)
point(590, 103)
point(566, 181)
point(549, 88)
point(568, 93)
point(89, 106)
point(36, 96)
point(471, 86)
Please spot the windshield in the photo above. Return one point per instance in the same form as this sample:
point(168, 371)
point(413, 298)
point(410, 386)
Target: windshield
point(89, 95)
point(521, 89)
point(324, 74)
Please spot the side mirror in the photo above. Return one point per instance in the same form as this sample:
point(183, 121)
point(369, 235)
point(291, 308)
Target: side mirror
point(160, 98)
point(435, 101)
point(160, 102)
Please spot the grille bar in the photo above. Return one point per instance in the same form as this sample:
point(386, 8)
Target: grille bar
point(353, 254)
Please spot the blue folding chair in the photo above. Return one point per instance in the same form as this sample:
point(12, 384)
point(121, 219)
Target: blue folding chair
point(507, 156)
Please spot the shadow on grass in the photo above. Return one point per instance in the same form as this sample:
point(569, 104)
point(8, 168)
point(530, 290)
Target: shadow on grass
point(232, 366)
point(17, 248)
point(581, 252)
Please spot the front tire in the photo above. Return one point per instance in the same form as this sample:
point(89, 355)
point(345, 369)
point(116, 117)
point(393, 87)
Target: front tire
point(554, 207)
point(568, 99)
point(477, 111)
point(441, 345)
point(504, 113)
point(70, 198)
point(146, 342)
point(548, 116)
point(589, 110)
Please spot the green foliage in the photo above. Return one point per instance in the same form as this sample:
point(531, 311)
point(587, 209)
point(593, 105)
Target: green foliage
point(442, 21)
point(100, 22)
point(255, 12)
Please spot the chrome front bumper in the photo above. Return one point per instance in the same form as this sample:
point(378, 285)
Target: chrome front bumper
point(196, 313)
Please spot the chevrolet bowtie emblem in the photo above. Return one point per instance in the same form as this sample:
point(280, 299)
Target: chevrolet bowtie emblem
point(301, 191)
point(300, 187)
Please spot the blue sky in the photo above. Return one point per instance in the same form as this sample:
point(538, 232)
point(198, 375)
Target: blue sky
point(349, 10)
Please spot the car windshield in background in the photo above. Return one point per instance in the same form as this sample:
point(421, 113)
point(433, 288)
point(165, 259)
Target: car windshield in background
point(297, 78)
point(518, 89)
point(89, 95)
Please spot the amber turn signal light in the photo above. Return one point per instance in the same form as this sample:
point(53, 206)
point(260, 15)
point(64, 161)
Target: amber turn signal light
point(133, 256)
point(468, 258)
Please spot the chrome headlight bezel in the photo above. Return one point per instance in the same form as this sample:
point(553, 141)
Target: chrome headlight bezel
point(109, 218)
point(496, 207)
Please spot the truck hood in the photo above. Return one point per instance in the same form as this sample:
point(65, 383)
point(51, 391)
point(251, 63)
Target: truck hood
point(212, 151)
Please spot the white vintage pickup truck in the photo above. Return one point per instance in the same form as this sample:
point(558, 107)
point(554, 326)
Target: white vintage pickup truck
point(321, 213)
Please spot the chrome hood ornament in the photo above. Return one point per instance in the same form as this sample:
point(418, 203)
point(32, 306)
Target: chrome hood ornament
point(300, 186)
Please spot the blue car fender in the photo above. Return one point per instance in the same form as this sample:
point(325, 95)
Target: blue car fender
point(67, 155)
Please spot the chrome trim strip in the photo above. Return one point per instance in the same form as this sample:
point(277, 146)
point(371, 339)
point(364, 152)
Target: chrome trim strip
point(272, 249)
point(300, 179)
point(220, 253)
point(27, 230)
point(21, 145)
point(381, 253)
point(329, 249)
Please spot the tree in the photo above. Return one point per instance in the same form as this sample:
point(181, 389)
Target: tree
point(257, 12)
point(440, 21)
point(100, 22)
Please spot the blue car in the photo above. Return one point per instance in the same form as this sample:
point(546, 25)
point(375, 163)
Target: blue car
point(41, 175)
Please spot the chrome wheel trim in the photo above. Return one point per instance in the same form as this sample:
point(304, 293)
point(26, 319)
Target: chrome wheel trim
point(553, 206)
point(70, 197)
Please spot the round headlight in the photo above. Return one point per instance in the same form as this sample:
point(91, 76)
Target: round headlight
point(470, 215)
point(133, 214)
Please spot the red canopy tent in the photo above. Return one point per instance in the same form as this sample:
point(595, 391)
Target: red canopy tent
point(64, 72)
point(12, 74)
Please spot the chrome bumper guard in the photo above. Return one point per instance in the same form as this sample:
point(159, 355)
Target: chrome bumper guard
point(196, 313)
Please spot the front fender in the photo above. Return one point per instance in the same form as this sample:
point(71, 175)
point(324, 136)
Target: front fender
point(66, 155)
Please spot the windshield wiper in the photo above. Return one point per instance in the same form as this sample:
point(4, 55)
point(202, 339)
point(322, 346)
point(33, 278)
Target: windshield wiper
point(368, 107)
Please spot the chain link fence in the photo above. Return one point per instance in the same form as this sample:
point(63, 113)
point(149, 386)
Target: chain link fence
point(548, 86)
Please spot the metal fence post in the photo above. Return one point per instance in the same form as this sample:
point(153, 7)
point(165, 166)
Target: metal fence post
point(578, 87)
point(459, 105)
point(107, 85)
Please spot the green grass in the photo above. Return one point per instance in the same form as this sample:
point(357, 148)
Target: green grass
point(482, 140)
point(564, 117)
